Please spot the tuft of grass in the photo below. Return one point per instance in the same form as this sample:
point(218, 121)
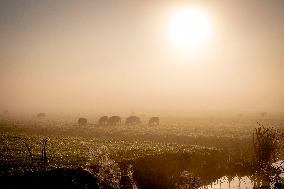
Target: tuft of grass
point(267, 145)
point(43, 160)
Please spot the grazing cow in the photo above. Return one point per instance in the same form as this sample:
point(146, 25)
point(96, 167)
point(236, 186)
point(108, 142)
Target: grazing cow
point(132, 120)
point(114, 120)
point(154, 121)
point(39, 115)
point(82, 121)
point(103, 120)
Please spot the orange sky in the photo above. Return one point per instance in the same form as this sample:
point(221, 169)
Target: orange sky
point(111, 57)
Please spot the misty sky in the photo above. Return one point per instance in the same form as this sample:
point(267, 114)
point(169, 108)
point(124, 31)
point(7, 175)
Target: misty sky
point(111, 57)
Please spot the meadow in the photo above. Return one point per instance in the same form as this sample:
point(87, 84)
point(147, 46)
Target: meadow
point(178, 153)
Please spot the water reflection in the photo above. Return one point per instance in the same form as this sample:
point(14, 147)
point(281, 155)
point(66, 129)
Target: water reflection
point(236, 182)
point(256, 181)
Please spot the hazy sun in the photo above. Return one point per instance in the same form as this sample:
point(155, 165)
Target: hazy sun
point(189, 28)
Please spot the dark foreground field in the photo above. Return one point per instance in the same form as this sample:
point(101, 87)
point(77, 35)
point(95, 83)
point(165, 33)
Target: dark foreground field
point(185, 154)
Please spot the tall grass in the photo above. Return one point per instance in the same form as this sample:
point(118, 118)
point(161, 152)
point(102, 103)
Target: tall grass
point(268, 144)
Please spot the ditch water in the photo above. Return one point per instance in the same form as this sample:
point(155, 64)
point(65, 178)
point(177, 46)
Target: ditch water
point(244, 182)
point(234, 183)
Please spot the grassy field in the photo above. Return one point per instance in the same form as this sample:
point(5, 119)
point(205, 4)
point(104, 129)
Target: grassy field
point(178, 153)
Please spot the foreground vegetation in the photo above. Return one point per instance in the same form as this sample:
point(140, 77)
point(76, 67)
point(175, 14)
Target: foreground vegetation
point(168, 156)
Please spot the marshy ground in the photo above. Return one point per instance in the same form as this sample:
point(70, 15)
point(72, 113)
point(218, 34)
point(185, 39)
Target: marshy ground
point(179, 153)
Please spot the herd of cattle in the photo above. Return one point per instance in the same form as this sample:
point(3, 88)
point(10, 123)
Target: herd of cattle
point(116, 120)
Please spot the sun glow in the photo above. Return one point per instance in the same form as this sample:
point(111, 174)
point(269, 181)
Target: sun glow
point(189, 29)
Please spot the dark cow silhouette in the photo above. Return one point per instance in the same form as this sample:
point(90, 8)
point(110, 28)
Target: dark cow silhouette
point(114, 120)
point(132, 120)
point(154, 121)
point(82, 121)
point(39, 115)
point(103, 120)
